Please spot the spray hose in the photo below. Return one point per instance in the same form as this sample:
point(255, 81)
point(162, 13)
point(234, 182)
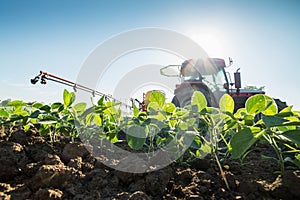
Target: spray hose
point(43, 76)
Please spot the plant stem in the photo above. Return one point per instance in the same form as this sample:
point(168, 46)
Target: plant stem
point(215, 149)
point(279, 154)
point(221, 170)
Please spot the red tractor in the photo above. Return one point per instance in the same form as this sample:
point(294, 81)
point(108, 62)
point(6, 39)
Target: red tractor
point(209, 77)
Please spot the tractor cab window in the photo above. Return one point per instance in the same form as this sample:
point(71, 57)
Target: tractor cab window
point(216, 82)
point(189, 72)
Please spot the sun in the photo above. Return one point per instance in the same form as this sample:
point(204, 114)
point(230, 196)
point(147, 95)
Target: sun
point(211, 42)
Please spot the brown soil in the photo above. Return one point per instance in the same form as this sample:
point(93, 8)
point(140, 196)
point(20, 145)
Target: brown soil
point(32, 168)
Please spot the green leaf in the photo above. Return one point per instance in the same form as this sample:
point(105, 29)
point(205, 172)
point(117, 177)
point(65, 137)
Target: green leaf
point(80, 107)
point(37, 105)
point(35, 114)
point(285, 114)
point(69, 98)
point(226, 103)
point(293, 135)
point(271, 107)
point(16, 103)
point(242, 141)
point(111, 108)
point(135, 110)
point(88, 112)
point(26, 127)
point(183, 125)
point(199, 99)
point(256, 104)
point(45, 108)
point(153, 107)
point(240, 113)
point(169, 107)
point(157, 97)
point(58, 106)
point(196, 144)
point(205, 147)
point(271, 121)
point(136, 137)
point(286, 109)
point(101, 101)
point(97, 120)
point(4, 113)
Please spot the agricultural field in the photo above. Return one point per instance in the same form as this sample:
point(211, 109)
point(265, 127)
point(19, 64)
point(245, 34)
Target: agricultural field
point(60, 151)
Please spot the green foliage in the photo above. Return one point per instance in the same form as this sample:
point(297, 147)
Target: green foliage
point(226, 103)
point(197, 127)
point(199, 100)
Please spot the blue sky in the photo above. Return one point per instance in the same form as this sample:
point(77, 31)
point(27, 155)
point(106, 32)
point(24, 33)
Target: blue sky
point(262, 37)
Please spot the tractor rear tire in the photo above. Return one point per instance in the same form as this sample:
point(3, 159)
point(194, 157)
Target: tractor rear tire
point(184, 99)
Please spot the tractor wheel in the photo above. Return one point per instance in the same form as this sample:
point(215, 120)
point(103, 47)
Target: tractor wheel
point(184, 98)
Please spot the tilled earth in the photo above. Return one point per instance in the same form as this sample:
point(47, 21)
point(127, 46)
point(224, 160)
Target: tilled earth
point(33, 168)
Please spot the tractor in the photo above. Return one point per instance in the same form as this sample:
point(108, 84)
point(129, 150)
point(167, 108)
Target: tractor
point(209, 77)
point(205, 75)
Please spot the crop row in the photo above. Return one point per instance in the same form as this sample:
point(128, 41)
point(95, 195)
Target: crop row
point(217, 131)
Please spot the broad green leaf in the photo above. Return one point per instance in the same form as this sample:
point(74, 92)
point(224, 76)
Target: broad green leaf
point(256, 104)
point(271, 107)
point(111, 108)
point(240, 113)
point(242, 141)
point(153, 107)
point(4, 113)
point(16, 103)
point(97, 120)
point(16, 118)
point(58, 106)
point(293, 135)
point(292, 124)
point(37, 105)
point(35, 114)
point(205, 147)
point(80, 107)
point(45, 108)
point(183, 125)
point(157, 97)
point(20, 111)
point(286, 109)
point(136, 137)
point(285, 114)
point(169, 107)
point(271, 121)
point(199, 99)
point(226, 103)
point(69, 98)
point(157, 115)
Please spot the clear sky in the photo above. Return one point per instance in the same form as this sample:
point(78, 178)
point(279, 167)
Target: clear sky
point(262, 37)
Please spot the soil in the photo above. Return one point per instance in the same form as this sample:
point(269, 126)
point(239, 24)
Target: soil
point(33, 168)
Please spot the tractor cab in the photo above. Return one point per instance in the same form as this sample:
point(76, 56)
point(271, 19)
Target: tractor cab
point(205, 75)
